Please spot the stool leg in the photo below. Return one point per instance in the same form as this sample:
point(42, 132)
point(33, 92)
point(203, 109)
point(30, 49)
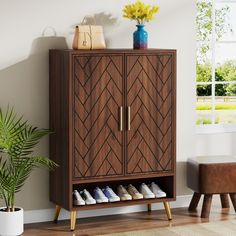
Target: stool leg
point(224, 200)
point(233, 199)
point(72, 220)
point(206, 207)
point(194, 202)
point(57, 212)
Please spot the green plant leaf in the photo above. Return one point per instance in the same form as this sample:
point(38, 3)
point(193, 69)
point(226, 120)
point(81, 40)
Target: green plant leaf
point(17, 142)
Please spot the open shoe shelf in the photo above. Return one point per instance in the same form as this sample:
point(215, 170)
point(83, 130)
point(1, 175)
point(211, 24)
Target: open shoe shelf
point(164, 182)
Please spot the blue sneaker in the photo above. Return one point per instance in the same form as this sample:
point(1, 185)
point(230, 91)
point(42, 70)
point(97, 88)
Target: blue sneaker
point(112, 197)
point(99, 195)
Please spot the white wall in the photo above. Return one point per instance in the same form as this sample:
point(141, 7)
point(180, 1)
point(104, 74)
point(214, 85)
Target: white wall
point(216, 144)
point(24, 64)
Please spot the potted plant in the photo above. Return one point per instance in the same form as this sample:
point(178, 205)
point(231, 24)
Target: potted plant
point(17, 141)
point(141, 13)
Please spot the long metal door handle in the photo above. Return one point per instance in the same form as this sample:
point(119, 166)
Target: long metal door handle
point(128, 118)
point(121, 118)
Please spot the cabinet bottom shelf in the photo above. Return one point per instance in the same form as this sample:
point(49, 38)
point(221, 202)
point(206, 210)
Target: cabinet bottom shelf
point(122, 203)
point(166, 184)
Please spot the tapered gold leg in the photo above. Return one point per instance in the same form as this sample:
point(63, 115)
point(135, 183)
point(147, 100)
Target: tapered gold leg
point(72, 220)
point(149, 207)
point(168, 211)
point(57, 212)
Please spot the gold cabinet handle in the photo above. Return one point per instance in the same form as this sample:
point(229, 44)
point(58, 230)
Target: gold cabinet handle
point(128, 118)
point(121, 118)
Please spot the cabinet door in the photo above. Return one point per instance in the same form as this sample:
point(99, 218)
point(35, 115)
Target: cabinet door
point(98, 96)
point(150, 96)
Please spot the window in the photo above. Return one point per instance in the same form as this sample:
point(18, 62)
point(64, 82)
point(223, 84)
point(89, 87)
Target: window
point(216, 62)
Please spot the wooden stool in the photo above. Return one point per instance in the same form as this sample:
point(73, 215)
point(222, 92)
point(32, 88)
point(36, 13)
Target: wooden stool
point(210, 175)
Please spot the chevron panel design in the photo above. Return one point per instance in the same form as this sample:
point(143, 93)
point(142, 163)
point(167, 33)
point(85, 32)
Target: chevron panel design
point(149, 87)
point(98, 89)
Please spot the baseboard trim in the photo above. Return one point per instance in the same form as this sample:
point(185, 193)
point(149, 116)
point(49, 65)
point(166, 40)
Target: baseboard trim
point(44, 215)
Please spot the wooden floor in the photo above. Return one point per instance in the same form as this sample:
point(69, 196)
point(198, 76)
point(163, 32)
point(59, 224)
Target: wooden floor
point(127, 222)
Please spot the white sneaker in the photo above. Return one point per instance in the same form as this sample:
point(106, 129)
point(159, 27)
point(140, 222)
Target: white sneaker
point(99, 195)
point(77, 199)
point(89, 200)
point(123, 194)
point(112, 197)
point(145, 190)
point(157, 190)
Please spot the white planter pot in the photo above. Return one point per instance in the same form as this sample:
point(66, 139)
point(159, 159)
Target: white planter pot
point(11, 223)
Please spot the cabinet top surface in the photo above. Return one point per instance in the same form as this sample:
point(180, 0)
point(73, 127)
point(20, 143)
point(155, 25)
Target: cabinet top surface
point(151, 50)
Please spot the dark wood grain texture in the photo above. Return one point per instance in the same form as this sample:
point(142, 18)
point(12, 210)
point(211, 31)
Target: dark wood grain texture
point(149, 95)
point(128, 222)
point(60, 181)
point(194, 202)
point(98, 97)
point(87, 89)
point(224, 200)
point(206, 207)
point(233, 199)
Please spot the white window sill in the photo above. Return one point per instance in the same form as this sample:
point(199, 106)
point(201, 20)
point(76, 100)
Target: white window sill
point(214, 129)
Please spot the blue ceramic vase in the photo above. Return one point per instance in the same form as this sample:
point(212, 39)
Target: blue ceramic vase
point(140, 38)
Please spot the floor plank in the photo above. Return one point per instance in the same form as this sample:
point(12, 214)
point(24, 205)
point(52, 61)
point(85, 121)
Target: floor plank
point(127, 222)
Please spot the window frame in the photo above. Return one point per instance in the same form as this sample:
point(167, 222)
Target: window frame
point(215, 128)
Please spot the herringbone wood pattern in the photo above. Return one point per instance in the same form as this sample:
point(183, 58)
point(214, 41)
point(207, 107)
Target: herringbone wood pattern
point(149, 87)
point(98, 88)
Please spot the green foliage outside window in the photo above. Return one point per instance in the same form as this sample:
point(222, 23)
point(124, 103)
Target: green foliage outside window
point(224, 72)
point(224, 103)
point(204, 27)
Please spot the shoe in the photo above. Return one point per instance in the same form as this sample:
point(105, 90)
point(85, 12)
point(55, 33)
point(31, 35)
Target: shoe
point(134, 192)
point(112, 197)
point(145, 190)
point(157, 190)
point(89, 200)
point(99, 195)
point(77, 199)
point(123, 194)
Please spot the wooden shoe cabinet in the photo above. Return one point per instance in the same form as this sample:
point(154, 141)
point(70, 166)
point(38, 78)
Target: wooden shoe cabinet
point(113, 115)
